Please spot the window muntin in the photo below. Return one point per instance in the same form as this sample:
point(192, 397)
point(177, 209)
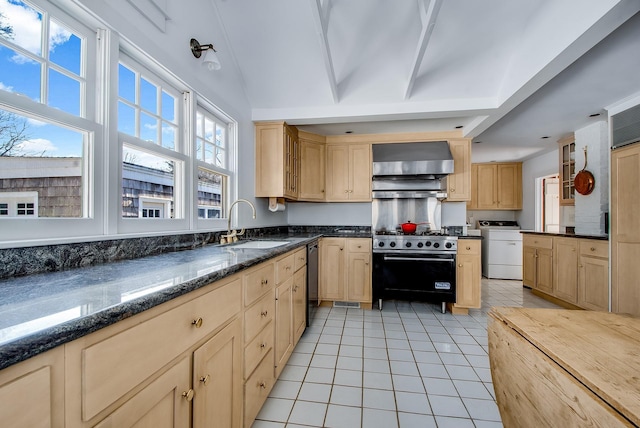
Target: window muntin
point(147, 108)
point(211, 139)
point(211, 188)
point(38, 42)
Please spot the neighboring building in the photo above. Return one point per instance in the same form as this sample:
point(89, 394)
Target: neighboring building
point(52, 187)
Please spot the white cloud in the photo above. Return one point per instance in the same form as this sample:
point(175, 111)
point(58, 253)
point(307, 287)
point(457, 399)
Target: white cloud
point(5, 87)
point(27, 29)
point(36, 146)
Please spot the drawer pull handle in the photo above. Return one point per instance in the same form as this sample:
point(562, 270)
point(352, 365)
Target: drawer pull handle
point(264, 282)
point(593, 249)
point(263, 385)
point(197, 323)
point(295, 288)
point(205, 379)
point(263, 345)
point(188, 395)
point(468, 248)
point(264, 313)
point(460, 265)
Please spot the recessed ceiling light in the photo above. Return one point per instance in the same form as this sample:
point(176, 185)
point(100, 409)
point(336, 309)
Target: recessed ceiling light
point(545, 137)
point(477, 142)
point(348, 132)
point(459, 126)
point(594, 115)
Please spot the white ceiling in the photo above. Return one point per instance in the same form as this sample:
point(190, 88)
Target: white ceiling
point(509, 72)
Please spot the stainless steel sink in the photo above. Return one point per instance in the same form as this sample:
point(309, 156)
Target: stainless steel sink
point(260, 245)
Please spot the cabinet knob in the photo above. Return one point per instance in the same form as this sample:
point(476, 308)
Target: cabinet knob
point(460, 265)
point(264, 313)
point(468, 248)
point(205, 379)
point(453, 189)
point(197, 323)
point(592, 248)
point(295, 288)
point(188, 395)
point(263, 345)
point(263, 385)
point(264, 282)
point(287, 268)
point(580, 266)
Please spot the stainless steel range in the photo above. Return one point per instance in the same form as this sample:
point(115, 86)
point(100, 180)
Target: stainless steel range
point(414, 267)
point(408, 183)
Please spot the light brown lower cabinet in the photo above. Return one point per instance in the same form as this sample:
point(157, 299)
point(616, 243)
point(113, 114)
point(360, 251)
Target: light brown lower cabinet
point(468, 274)
point(345, 270)
point(580, 268)
point(32, 392)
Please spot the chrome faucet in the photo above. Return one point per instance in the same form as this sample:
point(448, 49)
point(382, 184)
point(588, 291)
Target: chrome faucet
point(232, 235)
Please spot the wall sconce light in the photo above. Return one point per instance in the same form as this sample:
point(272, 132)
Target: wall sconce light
point(210, 59)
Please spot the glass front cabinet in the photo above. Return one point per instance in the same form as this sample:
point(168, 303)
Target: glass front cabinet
point(567, 169)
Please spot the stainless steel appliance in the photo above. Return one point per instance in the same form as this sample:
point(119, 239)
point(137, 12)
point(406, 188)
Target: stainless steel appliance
point(312, 280)
point(414, 267)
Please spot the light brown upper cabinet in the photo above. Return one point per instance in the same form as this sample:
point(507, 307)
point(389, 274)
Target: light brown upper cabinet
point(277, 160)
point(496, 186)
point(349, 172)
point(459, 183)
point(567, 166)
point(312, 167)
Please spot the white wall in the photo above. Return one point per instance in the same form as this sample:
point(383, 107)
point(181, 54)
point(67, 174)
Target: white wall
point(590, 209)
point(540, 166)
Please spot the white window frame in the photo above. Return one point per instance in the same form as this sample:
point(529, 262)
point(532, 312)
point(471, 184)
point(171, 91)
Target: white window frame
point(230, 171)
point(17, 231)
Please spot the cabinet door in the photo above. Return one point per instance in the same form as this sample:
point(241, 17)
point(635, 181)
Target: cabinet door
point(468, 274)
point(217, 380)
point(160, 405)
point(487, 187)
point(566, 269)
point(337, 173)
point(270, 158)
point(567, 170)
point(593, 283)
point(32, 392)
point(544, 270)
point(299, 303)
point(529, 266)
point(284, 324)
point(360, 164)
point(459, 183)
point(509, 186)
point(625, 231)
point(332, 273)
point(312, 169)
point(291, 163)
point(359, 277)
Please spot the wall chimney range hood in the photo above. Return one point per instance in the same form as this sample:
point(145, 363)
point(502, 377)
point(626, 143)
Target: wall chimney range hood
point(411, 170)
point(431, 159)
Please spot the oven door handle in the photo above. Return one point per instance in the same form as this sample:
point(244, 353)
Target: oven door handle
point(418, 259)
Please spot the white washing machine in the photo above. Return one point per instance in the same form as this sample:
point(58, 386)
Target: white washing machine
point(501, 249)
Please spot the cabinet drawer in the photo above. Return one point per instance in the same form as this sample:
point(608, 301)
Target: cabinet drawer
point(592, 248)
point(258, 316)
point(284, 268)
point(258, 282)
point(257, 388)
point(300, 257)
point(114, 366)
point(256, 349)
point(359, 245)
point(537, 241)
point(468, 246)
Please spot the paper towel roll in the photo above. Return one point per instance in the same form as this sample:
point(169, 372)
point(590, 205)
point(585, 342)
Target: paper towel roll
point(277, 207)
point(276, 204)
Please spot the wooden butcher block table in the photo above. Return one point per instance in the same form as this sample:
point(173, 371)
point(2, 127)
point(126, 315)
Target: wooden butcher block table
point(565, 368)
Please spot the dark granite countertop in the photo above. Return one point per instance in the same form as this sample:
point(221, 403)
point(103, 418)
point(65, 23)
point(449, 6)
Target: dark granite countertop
point(568, 235)
point(41, 311)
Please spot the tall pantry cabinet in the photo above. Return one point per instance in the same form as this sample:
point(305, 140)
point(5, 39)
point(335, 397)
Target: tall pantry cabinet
point(625, 230)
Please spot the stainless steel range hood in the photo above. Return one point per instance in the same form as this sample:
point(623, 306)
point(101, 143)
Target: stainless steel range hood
point(411, 170)
point(431, 159)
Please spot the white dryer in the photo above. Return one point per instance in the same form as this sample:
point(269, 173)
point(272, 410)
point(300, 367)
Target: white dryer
point(501, 249)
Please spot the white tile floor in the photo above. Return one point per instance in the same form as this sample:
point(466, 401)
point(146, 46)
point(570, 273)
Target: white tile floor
point(405, 366)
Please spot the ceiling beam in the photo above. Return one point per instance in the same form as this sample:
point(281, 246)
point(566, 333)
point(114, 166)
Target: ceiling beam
point(428, 15)
point(321, 19)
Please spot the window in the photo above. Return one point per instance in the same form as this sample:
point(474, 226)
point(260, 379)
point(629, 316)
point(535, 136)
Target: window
point(149, 125)
point(19, 204)
point(42, 58)
point(213, 156)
